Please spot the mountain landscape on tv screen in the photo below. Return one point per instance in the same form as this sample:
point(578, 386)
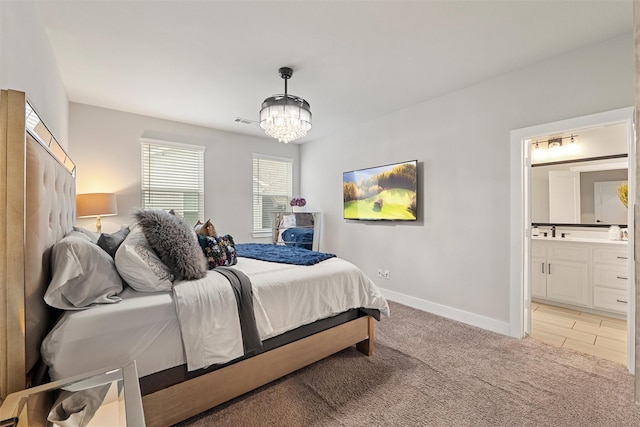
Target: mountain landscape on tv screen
point(381, 193)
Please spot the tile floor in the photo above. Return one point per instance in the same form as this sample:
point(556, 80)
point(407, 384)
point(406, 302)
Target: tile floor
point(600, 336)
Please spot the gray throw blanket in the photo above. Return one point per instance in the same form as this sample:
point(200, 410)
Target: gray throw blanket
point(76, 409)
point(241, 285)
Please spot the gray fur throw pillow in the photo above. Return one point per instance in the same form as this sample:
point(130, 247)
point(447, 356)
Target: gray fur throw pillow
point(175, 243)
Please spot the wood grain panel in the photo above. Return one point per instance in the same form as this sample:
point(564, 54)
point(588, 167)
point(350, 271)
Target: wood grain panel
point(192, 397)
point(3, 242)
point(14, 209)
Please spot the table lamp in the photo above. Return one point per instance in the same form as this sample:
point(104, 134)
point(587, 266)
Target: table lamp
point(96, 204)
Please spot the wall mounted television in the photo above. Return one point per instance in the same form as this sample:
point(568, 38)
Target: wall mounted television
point(386, 192)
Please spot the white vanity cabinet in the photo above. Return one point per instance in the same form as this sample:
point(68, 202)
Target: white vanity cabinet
point(538, 270)
point(585, 274)
point(566, 273)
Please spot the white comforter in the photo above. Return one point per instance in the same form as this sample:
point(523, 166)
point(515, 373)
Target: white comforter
point(284, 297)
point(145, 327)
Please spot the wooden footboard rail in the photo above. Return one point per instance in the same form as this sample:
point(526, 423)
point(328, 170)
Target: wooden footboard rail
point(189, 398)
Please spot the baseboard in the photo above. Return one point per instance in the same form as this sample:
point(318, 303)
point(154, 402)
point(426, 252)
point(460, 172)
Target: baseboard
point(448, 312)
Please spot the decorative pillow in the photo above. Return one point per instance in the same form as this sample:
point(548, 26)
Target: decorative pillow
point(111, 242)
point(288, 221)
point(174, 242)
point(93, 236)
point(83, 274)
point(140, 266)
point(206, 229)
point(218, 250)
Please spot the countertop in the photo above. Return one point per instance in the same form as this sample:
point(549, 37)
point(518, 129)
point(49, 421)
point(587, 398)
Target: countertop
point(581, 240)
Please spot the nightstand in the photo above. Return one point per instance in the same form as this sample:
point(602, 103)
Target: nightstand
point(300, 229)
point(108, 397)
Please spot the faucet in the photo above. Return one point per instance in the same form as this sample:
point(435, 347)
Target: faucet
point(553, 231)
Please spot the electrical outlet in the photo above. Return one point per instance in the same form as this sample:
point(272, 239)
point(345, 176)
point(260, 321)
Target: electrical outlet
point(385, 274)
point(380, 273)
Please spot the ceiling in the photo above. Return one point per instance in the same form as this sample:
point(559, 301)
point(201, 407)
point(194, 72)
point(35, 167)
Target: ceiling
point(208, 62)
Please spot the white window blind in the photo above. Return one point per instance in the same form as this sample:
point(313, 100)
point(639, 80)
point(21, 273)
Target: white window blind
point(272, 189)
point(173, 178)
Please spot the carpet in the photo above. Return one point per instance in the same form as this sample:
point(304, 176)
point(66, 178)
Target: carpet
point(432, 371)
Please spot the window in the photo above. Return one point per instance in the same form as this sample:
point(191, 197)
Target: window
point(272, 189)
point(173, 178)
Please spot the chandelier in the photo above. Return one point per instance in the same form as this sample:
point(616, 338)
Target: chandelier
point(285, 117)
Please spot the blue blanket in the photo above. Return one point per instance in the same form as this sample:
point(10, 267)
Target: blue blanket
point(281, 254)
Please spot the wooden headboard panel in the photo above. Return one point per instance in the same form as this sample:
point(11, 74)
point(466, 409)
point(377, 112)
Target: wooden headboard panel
point(37, 208)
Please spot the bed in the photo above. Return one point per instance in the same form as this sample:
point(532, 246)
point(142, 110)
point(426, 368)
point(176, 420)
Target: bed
point(37, 199)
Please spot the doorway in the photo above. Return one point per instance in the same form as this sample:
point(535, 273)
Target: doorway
point(521, 216)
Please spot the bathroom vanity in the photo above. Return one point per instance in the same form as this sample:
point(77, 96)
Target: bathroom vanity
point(583, 272)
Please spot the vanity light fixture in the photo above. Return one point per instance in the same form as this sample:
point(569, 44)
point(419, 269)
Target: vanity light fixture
point(572, 147)
point(555, 147)
point(539, 153)
point(285, 117)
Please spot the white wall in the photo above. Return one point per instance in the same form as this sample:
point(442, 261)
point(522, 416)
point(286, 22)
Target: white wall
point(105, 144)
point(27, 64)
point(455, 259)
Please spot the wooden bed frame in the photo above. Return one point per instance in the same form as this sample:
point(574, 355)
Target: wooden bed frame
point(37, 207)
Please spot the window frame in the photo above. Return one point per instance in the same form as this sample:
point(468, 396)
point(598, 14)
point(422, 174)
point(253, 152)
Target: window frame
point(264, 231)
point(198, 151)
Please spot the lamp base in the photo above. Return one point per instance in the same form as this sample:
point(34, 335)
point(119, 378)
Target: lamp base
point(98, 225)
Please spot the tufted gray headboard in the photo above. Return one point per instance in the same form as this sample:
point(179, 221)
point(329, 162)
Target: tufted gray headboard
point(37, 207)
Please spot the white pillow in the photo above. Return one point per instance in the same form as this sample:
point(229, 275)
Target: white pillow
point(140, 266)
point(83, 274)
point(93, 236)
point(288, 221)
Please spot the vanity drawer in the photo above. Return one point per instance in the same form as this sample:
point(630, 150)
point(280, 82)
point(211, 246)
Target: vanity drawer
point(611, 255)
point(568, 252)
point(610, 299)
point(538, 250)
point(610, 276)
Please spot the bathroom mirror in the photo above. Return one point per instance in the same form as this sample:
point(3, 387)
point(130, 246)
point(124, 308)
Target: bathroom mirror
point(586, 193)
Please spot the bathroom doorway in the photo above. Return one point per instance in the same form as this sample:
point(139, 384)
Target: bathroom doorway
point(523, 275)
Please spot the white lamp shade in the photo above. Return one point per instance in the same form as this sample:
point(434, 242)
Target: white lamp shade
point(96, 204)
